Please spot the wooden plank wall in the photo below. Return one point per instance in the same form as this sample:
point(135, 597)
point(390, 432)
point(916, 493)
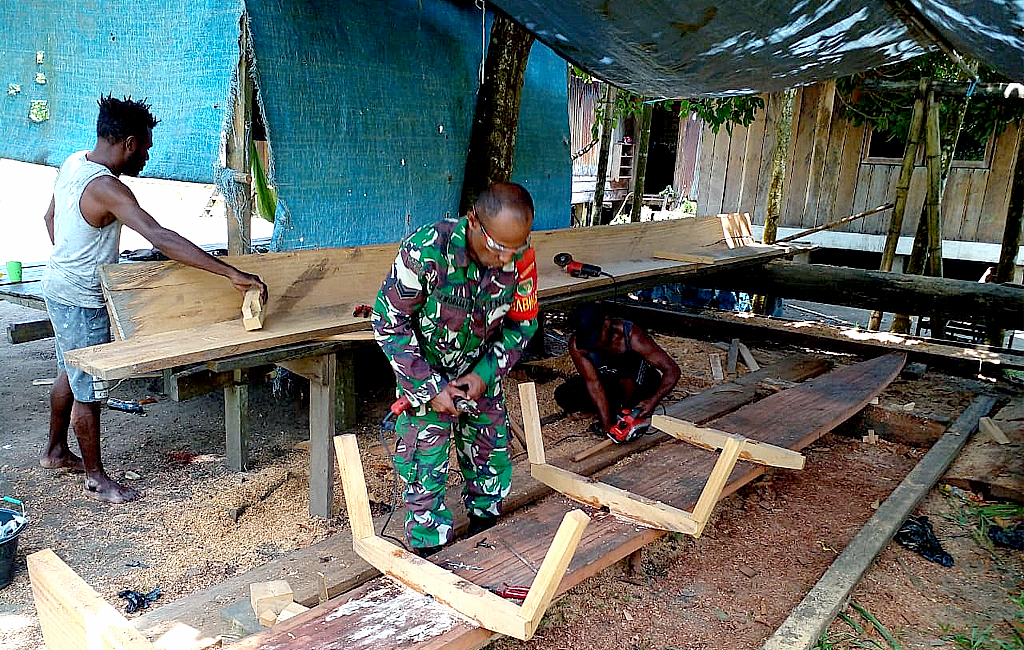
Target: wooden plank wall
point(733, 174)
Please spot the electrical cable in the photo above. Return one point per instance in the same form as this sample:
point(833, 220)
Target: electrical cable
point(394, 489)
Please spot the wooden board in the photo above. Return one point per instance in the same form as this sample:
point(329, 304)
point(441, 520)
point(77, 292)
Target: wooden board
point(994, 469)
point(313, 293)
point(675, 475)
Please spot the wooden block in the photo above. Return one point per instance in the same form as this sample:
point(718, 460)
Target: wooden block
point(267, 618)
point(870, 438)
point(30, 331)
point(252, 310)
point(748, 358)
point(716, 367)
point(909, 406)
point(293, 609)
point(990, 428)
point(272, 596)
point(734, 350)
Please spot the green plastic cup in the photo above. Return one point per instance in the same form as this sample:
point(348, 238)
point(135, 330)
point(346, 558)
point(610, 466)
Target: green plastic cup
point(14, 271)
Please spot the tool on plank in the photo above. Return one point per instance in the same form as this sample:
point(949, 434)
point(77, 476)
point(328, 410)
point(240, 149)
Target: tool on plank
point(529, 565)
point(629, 426)
point(464, 405)
point(515, 592)
point(577, 269)
point(463, 565)
point(363, 311)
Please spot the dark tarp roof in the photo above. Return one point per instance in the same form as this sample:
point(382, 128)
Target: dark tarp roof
point(662, 48)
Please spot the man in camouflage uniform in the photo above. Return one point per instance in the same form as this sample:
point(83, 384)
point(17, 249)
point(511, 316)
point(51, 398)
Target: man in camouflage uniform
point(453, 316)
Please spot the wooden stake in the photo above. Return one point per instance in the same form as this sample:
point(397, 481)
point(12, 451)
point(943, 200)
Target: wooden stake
point(734, 351)
point(748, 358)
point(552, 570)
point(716, 367)
point(531, 422)
point(716, 483)
point(990, 428)
point(354, 484)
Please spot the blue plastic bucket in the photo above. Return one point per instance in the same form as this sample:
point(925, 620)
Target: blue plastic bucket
point(9, 545)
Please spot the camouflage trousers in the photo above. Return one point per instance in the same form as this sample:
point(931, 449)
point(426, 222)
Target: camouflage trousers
point(421, 457)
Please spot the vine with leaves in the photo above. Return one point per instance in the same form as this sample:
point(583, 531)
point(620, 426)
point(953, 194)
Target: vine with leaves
point(889, 113)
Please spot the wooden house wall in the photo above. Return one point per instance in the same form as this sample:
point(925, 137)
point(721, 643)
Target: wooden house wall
point(827, 178)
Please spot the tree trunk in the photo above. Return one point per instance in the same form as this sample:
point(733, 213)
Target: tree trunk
point(492, 144)
point(607, 124)
point(763, 304)
point(643, 141)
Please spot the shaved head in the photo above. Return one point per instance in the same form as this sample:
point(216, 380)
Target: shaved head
point(508, 196)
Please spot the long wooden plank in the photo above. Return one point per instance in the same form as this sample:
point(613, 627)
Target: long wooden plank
point(805, 625)
point(749, 326)
point(823, 404)
point(347, 570)
point(167, 296)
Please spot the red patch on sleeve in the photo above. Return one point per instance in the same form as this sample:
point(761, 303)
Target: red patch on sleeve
point(524, 304)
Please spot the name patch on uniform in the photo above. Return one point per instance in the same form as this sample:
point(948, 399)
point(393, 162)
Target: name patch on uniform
point(524, 304)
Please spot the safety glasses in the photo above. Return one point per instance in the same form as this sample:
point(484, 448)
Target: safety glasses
point(501, 248)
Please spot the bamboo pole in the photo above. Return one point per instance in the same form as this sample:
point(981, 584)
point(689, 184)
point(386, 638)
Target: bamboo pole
point(902, 190)
point(773, 212)
point(933, 153)
point(835, 224)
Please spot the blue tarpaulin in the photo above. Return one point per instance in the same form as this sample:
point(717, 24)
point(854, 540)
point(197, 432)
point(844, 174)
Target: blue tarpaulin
point(369, 107)
point(179, 54)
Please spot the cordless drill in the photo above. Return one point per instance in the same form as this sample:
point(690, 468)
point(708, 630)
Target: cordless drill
point(629, 426)
point(577, 269)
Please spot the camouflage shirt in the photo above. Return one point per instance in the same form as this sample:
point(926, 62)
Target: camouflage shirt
point(440, 315)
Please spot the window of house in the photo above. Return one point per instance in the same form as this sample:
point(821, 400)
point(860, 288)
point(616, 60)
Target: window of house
point(972, 147)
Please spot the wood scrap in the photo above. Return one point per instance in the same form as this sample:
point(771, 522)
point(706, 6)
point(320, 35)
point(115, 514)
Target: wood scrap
point(734, 351)
point(716, 367)
point(895, 425)
point(870, 438)
point(991, 429)
point(748, 358)
point(293, 609)
point(252, 310)
point(272, 596)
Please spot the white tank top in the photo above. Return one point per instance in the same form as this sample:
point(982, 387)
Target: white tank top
point(72, 276)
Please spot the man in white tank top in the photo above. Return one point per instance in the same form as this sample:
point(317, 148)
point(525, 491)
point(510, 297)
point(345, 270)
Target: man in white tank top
point(84, 220)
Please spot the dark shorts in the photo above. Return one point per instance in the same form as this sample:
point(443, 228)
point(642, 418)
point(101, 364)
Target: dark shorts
point(79, 327)
point(572, 395)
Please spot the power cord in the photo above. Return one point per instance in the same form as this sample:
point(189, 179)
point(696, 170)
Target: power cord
point(394, 489)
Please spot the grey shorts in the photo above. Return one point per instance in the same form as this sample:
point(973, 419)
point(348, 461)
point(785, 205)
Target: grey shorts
point(79, 327)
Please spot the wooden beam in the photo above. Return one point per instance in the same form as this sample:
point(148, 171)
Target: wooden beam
point(992, 430)
point(29, 331)
point(531, 423)
point(809, 620)
point(750, 450)
point(552, 570)
point(716, 483)
point(236, 423)
point(354, 484)
point(601, 495)
point(72, 615)
point(321, 433)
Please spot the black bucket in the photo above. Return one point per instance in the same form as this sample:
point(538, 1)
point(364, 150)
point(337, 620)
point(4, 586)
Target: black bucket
point(9, 546)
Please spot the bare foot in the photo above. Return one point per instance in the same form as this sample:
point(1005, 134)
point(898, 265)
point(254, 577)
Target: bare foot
point(59, 459)
point(108, 490)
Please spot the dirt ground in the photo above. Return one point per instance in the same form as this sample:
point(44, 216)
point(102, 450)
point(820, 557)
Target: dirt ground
point(765, 548)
